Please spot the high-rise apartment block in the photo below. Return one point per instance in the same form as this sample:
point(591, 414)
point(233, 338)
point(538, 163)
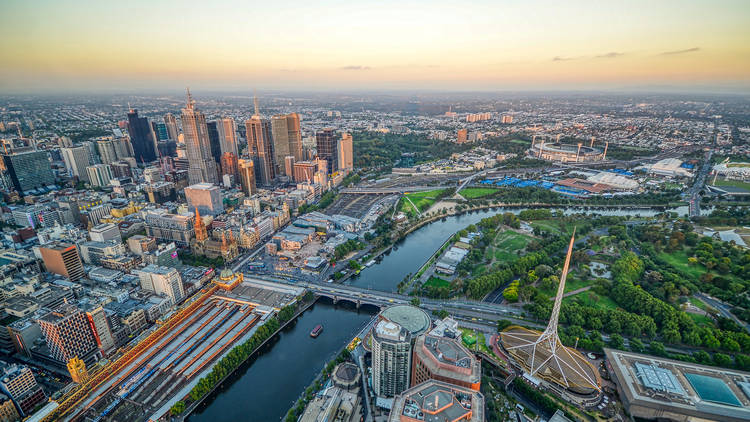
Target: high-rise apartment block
point(112, 150)
point(462, 136)
point(62, 259)
point(68, 333)
point(391, 358)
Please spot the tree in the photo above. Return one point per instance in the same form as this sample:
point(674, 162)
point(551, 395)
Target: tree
point(636, 345)
point(415, 301)
point(616, 341)
point(503, 324)
point(657, 348)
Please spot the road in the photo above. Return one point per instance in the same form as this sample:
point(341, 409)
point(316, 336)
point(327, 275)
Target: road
point(723, 308)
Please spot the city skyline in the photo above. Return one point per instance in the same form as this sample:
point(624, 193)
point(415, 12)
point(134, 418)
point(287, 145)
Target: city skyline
point(687, 46)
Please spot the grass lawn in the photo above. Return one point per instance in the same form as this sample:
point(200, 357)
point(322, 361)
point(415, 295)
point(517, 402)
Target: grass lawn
point(472, 193)
point(591, 299)
point(553, 226)
point(520, 142)
point(507, 244)
point(423, 200)
point(437, 282)
point(697, 303)
point(735, 183)
point(679, 260)
point(406, 207)
point(575, 283)
point(701, 319)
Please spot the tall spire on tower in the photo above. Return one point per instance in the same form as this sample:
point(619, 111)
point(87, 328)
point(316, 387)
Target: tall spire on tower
point(255, 104)
point(552, 326)
point(190, 101)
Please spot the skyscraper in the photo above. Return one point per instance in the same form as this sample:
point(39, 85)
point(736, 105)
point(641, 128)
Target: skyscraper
point(229, 164)
point(247, 176)
point(346, 152)
point(29, 170)
point(260, 141)
point(228, 136)
point(287, 139)
point(141, 137)
point(202, 165)
point(76, 160)
point(214, 140)
point(391, 358)
point(327, 149)
point(171, 122)
point(67, 333)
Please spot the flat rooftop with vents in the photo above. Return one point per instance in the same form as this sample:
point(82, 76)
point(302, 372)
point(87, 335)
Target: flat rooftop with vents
point(437, 401)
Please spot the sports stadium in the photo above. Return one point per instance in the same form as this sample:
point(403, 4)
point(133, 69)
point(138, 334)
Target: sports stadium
point(566, 153)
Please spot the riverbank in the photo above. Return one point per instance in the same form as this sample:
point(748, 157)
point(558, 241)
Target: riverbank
point(301, 308)
point(306, 396)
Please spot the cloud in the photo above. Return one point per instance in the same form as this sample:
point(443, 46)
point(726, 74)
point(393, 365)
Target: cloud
point(355, 68)
point(672, 53)
point(610, 55)
point(562, 59)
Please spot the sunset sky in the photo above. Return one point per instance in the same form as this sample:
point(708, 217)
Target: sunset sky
point(374, 44)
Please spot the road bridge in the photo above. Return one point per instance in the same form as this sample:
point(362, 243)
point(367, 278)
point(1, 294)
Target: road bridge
point(360, 296)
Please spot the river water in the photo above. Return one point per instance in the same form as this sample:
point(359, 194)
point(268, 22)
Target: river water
point(408, 255)
point(270, 383)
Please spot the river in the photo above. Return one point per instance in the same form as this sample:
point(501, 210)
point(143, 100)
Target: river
point(408, 255)
point(269, 384)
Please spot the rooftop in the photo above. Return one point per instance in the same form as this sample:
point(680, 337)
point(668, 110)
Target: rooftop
point(653, 387)
point(437, 401)
point(414, 319)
